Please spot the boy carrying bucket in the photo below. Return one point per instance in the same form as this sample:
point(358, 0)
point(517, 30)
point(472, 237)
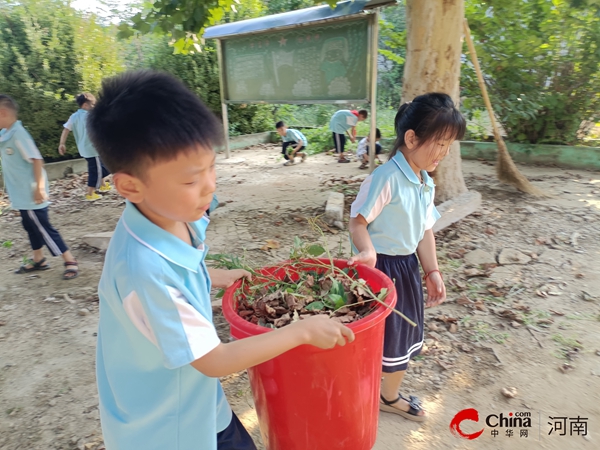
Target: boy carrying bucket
point(158, 355)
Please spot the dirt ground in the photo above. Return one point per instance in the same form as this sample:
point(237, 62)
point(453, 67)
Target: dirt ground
point(522, 311)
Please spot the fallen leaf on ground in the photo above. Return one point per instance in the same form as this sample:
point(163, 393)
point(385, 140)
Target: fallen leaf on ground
point(463, 300)
point(270, 244)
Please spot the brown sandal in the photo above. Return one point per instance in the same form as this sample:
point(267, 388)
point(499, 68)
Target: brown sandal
point(414, 407)
point(75, 272)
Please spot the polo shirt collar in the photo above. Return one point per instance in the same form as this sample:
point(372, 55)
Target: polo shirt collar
point(162, 242)
point(410, 174)
point(7, 133)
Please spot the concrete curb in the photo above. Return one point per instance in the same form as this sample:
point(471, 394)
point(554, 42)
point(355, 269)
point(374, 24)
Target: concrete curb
point(457, 208)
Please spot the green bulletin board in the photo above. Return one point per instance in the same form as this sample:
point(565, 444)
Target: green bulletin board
point(325, 62)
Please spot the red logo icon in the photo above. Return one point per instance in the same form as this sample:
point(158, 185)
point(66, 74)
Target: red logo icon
point(465, 414)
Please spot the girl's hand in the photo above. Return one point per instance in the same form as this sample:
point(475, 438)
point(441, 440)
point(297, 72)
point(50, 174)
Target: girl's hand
point(436, 291)
point(221, 278)
point(368, 258)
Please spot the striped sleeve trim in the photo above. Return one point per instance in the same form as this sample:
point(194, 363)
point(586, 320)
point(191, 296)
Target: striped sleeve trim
point(384, 198)
point(28, 149)
point(200, 333)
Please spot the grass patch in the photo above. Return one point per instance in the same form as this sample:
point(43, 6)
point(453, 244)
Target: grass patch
point(566, 345)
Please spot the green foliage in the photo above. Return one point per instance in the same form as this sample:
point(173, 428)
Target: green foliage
point(184, 20)
point(49, 53)
point(540, 61)
point(319, 140)
point(392, 51)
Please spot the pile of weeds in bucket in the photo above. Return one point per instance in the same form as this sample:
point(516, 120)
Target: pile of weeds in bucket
point(302, 287)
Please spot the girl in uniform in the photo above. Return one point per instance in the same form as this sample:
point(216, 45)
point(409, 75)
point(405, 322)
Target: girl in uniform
point(391, 224)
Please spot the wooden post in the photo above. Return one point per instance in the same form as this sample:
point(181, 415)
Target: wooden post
point(374, 61)
point(225, 128)
point(224, 114)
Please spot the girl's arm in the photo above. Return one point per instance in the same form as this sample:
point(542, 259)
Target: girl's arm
point(362, 241)
point(436, 291)
point(63, 139)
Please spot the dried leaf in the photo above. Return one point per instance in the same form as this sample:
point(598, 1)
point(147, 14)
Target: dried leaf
point(270, 244)
point(463, 300)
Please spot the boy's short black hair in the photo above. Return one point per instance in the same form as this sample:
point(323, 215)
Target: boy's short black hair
point(280, 124)
point(84, 97)
point(377, 133)
point(8, 103)
point(148, 116)
point(364, 113)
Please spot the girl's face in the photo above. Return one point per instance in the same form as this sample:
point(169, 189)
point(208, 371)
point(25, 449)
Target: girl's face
point(426, 156)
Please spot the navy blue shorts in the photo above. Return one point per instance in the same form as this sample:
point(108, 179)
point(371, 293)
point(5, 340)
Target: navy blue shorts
point(96, 172)
point(402, 341)
point(378, 149)
point(235, 437)
point(284, 149)
point(339, 142)
point(41, 232)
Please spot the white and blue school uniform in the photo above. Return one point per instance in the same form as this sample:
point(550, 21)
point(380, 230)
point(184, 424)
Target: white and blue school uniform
point(398, 209)
point(342, 121)
point(155, 320)
point(77, 123)
point(18, 151)
point(363, 148)
point(291, 139)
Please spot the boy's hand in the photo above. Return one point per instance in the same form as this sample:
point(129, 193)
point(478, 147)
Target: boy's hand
point(368, 258)
point(39, 195)
point(62, 149)
point(221, 278)
point(322, 332)
point(436, 291)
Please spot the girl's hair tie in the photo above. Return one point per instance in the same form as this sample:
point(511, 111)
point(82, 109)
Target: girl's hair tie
point(408, 103)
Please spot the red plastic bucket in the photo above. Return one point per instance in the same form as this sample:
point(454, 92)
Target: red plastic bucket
point(313, 399)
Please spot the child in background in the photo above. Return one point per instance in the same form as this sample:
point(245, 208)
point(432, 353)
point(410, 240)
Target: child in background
point(341, 122)
point(291, 138)
point(362, 153)
point(391, 223)
point(27, 186)
point(158, 355)
point(77, 123)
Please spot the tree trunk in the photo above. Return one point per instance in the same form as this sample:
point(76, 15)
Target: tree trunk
point(434, 45)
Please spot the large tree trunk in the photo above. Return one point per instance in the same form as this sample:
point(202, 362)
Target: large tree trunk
point(434, 44)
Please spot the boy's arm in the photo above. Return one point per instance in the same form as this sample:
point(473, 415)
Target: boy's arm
point(39, 193)
point(221, 278)
point(436, 291)
point(63, 139)
point(352, 134)
point(226, 359)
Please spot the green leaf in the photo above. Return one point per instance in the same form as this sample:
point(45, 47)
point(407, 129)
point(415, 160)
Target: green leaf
point(220, 294)
point(298, 242)
point(315, 306)
point(315, 250)
point(382, 294)
point(338, 300)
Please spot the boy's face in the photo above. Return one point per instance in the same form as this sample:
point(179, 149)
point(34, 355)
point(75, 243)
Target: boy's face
point(179, 190)
point(361, 117)
point(282, 131)
point(88, 105)
point(7, 117)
